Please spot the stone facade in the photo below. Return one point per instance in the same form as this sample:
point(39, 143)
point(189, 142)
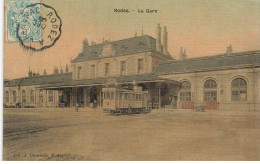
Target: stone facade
point(92, 69)
point(223, 79)
point(30, 96)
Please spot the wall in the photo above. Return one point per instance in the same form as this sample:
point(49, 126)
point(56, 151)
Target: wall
point(29, 103)
point(150, 61)
point(157, 59)
point(114, 66)
point(223, 79)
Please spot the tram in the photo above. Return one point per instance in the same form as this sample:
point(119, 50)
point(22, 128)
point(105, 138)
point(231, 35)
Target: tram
point(126, 101)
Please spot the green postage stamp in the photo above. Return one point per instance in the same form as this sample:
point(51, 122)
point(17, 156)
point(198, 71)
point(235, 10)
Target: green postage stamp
point(17, 11)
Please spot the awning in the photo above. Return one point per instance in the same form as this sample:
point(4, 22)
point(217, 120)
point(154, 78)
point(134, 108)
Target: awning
point(103, 81)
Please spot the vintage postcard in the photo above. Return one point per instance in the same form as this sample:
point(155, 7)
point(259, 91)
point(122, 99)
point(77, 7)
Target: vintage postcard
point(132, 80)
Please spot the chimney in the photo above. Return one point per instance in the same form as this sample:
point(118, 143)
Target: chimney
point(158, 38)
point(85, 43)
point(45, 72)
point(165, 33)
point(61, 70)
point(67, 69)
point(229, 50)
point(182, 54)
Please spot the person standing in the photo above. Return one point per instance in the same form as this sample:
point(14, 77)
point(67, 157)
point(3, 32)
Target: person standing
point(77, 107)
point(129, 111)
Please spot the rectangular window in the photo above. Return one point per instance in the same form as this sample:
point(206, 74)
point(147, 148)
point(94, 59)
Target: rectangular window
point(140, 65)
point(121, 96)
point(92, 70)
point(108, 95)
point(125, 96)
point(50, 98)
point(79, 72)
point(14, 96)
point(112, 95)
point(123, 67)
point(31, 96)
point(106, 69)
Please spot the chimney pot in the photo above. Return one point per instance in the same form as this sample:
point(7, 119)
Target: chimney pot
point(165, 40)
point(158, 38)
point(229, 50)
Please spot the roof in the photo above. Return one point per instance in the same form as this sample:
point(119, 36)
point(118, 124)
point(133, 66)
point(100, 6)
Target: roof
point(39, 80)
point(222, 61)
point(121, 47)
point(103, 81)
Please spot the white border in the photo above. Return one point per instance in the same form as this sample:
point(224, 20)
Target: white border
point(1, 76)
point(89, 162)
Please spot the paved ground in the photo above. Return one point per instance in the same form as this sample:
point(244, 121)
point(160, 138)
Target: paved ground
point(62, 134)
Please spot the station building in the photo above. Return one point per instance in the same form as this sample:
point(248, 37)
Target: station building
point(228, 81)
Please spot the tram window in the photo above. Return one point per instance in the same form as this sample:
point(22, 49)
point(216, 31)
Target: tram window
point(112, 95)
point(121, 96)
point(140, 97)
point(108, 95)
point(136, 97)
point(125, 96)
point(129, 96)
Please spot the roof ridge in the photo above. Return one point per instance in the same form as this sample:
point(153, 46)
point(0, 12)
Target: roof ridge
point(224, 55)
point(121, 40)
point(132, 38)
point(22, 78)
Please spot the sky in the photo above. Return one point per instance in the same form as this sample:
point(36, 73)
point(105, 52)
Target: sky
point(203, 27)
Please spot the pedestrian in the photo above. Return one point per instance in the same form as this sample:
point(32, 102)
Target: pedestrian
point(77, 107)
point(129, 109)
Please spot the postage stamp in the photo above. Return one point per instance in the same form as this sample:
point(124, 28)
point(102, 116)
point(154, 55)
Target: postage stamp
point(36, 26)
point(14, 9)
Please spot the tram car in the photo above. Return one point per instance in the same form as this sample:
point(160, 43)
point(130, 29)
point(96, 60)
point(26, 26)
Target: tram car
point(125, 101)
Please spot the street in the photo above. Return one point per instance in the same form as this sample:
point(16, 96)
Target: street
point(91, 134)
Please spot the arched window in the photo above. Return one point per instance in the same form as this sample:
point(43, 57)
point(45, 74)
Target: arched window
point(23, 96)
point(210, 90)
point(14, 96)
point(6, 96)
point(239, 90)
point(31, 96)
point(50, 96)
point(185, 92)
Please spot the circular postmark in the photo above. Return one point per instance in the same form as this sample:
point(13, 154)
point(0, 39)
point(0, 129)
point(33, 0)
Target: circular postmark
point(40, 27)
